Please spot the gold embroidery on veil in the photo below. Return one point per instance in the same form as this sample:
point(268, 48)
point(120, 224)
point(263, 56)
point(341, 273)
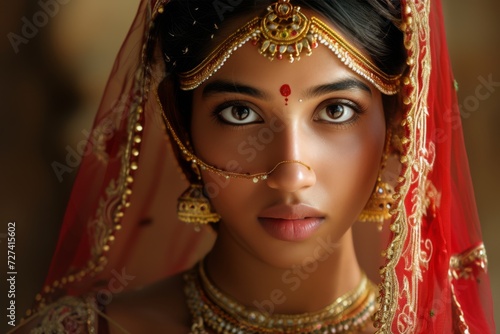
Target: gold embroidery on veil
point(68, 315)
point(419, 156)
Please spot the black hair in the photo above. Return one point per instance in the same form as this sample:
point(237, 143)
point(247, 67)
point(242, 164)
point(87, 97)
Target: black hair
point(187, 27)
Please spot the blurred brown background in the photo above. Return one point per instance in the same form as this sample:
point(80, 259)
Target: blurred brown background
point(51, 87)
point(472, 31)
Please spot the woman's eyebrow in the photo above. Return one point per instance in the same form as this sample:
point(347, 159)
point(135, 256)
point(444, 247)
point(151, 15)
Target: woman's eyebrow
point(221, 87)
point(346, 84)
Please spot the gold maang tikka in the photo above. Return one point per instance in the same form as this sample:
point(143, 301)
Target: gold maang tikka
point(286, 33)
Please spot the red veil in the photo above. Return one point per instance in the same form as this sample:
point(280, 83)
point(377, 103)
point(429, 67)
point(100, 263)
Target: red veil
point(120, 222)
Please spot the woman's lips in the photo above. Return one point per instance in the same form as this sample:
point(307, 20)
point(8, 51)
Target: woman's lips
point(291, 222)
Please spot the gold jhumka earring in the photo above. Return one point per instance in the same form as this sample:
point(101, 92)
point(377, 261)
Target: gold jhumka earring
point(193, 207)
point(379, 206)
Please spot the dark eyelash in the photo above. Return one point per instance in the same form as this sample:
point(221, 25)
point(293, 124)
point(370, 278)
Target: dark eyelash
point(358, 109)
point(215, 114)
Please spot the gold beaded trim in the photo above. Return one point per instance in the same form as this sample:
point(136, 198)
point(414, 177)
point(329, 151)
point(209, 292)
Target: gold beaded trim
point(354, 59)
point(286, 32)
point(121, 190)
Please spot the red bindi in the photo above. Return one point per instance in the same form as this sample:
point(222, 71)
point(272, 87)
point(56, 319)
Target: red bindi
point(285, 91)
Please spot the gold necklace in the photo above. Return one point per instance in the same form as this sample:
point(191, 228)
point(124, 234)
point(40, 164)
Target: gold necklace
point(212, 309)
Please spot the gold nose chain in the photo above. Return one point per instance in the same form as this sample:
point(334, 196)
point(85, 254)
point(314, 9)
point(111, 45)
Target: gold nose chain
point(191, 157)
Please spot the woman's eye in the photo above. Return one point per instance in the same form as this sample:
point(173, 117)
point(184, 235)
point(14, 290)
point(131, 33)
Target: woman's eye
point(337, 113)
point(239, 115)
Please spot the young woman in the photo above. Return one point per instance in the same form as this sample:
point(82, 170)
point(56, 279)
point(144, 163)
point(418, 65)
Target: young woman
point(290, 120)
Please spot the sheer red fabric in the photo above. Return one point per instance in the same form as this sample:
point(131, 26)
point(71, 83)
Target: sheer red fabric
point(121, 214)
point(438, 274)
point(96, 235)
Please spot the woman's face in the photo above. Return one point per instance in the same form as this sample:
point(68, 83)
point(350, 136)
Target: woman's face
point(255, 113)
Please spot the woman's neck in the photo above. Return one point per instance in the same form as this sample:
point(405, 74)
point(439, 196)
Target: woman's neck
point(297, 289)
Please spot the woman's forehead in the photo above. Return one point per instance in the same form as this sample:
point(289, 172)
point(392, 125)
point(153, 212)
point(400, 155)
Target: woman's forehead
point(247, 67)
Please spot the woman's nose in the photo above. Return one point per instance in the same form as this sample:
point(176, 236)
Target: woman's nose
point(291, 176)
